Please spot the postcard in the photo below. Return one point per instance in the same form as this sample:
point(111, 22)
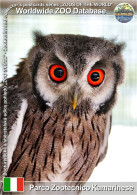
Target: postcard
point(68, 97)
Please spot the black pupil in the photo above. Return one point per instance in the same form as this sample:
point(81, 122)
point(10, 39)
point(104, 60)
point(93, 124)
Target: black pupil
point(95, 76)
point(58, 72)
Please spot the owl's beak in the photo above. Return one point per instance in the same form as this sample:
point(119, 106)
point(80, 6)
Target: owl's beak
point(75, 100)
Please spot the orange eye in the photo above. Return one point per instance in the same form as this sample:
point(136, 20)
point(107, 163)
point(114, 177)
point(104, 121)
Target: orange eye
point(57, 73)
point(95, 77)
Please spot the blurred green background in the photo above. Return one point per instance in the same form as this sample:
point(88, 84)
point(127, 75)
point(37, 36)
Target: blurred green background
point(20, 29)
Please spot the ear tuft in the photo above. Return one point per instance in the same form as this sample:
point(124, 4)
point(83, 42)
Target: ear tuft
point(38, 37)
point(43, 41)
point(119, 47)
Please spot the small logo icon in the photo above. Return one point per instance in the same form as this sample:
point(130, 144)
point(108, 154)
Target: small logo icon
point(13, 184)
point(124, 12)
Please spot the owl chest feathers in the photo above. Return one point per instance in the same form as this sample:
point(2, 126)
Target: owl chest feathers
point(46, 146)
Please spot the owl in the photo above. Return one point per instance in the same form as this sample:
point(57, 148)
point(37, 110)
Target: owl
point(59, 107)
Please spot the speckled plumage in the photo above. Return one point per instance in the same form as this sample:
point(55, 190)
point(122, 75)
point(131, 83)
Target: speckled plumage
point(56, 141)
point(43, 137)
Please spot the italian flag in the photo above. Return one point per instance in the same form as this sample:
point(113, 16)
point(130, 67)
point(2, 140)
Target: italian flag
point(13, 184)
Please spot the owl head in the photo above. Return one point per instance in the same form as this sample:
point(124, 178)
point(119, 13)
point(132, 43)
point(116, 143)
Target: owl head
point(75, 72)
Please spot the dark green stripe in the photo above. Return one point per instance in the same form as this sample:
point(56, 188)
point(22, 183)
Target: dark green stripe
point(6, 184)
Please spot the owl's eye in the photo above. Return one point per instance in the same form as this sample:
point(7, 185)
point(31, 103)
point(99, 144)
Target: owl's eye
point(57, 73)
point(95, 77)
